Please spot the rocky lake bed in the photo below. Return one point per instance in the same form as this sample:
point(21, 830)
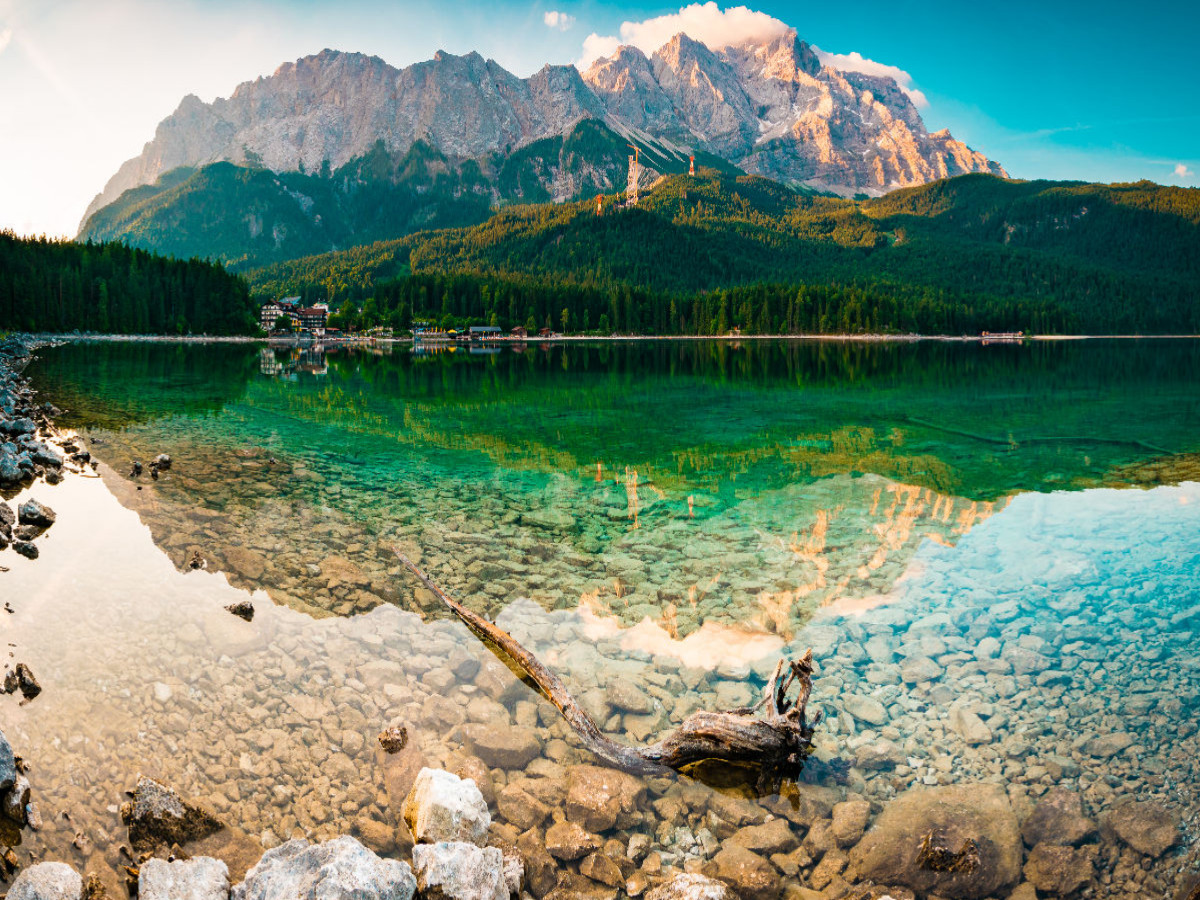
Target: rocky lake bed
point(1010, 702)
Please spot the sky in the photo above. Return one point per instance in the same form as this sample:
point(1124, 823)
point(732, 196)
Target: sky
point(1098, 91)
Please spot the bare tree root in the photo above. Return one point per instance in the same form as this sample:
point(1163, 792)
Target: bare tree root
point(776, 743)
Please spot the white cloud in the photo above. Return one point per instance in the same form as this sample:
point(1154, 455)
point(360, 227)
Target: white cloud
point(856, 62)
point(719, 28)
point(5, 38)
point(559, 20)
point(1182, 171)
point(705, 22)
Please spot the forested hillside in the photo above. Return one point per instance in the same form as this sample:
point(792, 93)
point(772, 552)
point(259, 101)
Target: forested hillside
point(52, 285)
point(250, 216)
point(705, 254)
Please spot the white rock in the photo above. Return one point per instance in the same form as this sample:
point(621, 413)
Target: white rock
point(443, 807)
point(456, 870)
point(47, 881)
point(198, 878)
point(341, 869)
point(690, 886)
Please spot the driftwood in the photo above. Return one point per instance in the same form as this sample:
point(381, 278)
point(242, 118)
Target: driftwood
point(775, 743)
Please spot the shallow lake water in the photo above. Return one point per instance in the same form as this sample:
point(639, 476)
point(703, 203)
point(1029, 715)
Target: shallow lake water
point(993, 551)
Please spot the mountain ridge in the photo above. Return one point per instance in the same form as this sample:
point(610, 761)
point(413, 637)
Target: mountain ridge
point(770, 108)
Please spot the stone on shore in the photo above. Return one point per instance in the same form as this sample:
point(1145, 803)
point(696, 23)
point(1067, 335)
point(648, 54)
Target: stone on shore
point(33, 513)
point(198, 878)
point(158, 815)
point(340, 869)
point(456, 870)
point(444, 807)
point(1145, 826)
point(890, 852)
point(47, 881)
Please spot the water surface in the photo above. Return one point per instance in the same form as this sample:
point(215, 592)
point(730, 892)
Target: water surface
point(671, 514)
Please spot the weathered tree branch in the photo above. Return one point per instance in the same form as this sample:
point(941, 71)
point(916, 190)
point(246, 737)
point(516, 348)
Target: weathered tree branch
point(777, 743)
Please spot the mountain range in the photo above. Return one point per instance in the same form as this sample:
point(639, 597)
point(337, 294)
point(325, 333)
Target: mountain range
point(768, 108)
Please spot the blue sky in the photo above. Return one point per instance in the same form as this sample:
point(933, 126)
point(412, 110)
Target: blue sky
point(1099, 92)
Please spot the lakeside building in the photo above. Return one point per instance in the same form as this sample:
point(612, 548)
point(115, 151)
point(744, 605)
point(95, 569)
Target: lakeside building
point(313, 319)
point(310, 319)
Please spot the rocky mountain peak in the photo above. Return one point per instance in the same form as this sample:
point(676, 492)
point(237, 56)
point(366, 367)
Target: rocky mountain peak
point(768, 107)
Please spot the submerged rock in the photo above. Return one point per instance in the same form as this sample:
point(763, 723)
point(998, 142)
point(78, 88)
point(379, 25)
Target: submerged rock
point(502, 747)
point(596, 796)
point(456, 870)
point(1058, 869)
point(243, 609)
point(690, 887)
point(340, 869)
point(444, 807)
point(26, 549)
point(158, 815)
point(199, 878)
point(1145, 826)
point(22, 679)
point(47, 881)
point(567, 841)
point(393, 738)
point(1058, 819)
point(958, 842)
point(751, 876)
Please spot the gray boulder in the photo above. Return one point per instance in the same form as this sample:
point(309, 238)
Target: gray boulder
point(456, 870)
point(341, 869)
point(960, 842)
point(47, 881)
point(443, 807)
point(198, 878)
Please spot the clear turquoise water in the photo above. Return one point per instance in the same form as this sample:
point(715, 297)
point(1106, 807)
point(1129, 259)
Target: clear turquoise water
point(679, 513)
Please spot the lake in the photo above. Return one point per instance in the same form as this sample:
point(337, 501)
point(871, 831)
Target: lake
point(993, 552)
